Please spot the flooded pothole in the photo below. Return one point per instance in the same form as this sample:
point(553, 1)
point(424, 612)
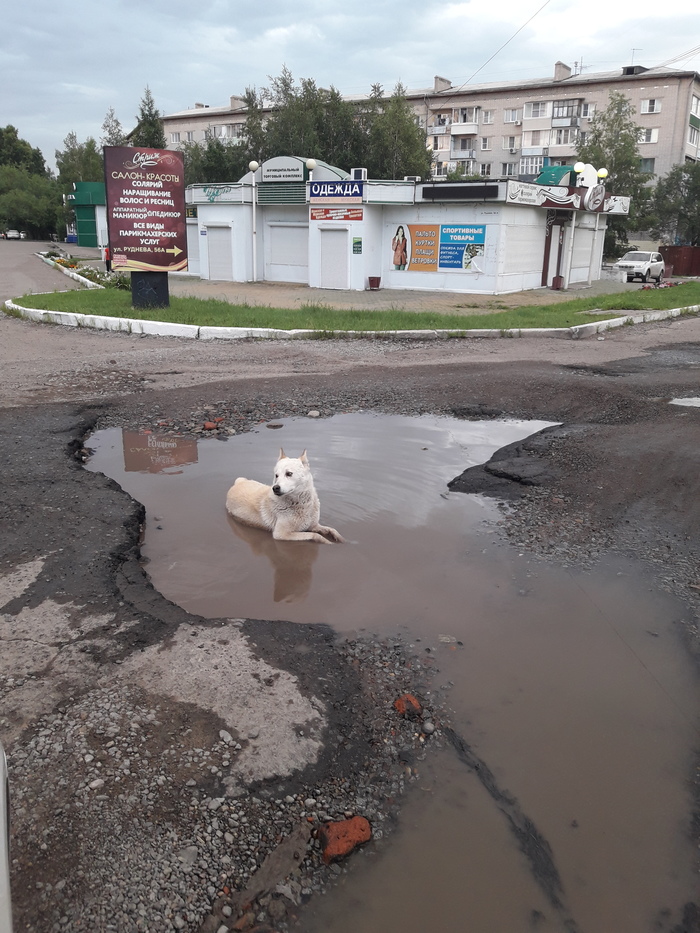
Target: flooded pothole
point(572, 687)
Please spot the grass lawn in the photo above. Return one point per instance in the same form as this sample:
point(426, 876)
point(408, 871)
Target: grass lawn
point(215, 313)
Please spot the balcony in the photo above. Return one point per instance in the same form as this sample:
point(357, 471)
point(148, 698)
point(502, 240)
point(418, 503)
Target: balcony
point(462, 154)
point(437, 129)
point(464, 129)
point(558, 122)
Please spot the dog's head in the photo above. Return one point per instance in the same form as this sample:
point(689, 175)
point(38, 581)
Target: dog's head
point(291, 473)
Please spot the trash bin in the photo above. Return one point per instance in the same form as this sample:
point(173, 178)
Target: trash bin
point(374, 281)
point(557, 282)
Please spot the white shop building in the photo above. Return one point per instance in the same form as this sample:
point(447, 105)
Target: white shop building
point(327, 229)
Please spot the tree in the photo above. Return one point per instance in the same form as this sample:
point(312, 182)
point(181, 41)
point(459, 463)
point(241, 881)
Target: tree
point(18, 152)
point(214, 161)
point(254, 134)
point(112, 131)
point(675, 206)
point(378, 134)
point(78, 162)
point(149, 125)
point(396, 145)
point(307, 120)
point(612, 143)
point(28, 200)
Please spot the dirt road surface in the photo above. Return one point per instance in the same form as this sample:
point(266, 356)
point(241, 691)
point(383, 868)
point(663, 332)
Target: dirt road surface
point(131, 776)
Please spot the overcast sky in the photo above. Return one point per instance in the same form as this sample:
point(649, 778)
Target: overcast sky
point(63, 66)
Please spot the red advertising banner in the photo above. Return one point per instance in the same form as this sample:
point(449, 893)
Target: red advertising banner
point(145, 209)
point(336, 213)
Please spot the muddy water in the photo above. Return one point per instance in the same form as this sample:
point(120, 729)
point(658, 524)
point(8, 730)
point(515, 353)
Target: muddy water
point(572, 688)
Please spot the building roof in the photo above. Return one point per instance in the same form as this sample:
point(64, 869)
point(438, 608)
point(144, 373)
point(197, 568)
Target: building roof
point(627, 74)
point(601, 77)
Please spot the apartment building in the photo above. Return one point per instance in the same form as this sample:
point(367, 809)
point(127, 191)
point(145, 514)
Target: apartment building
point(515, 129)
point(203, 121)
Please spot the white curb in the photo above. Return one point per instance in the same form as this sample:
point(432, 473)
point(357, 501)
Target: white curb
point(69, 272)
point(193, 331)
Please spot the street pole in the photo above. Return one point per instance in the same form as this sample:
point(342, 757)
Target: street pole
point(254, 166)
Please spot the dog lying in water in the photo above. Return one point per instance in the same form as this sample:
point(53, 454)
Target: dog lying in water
point(289, 508)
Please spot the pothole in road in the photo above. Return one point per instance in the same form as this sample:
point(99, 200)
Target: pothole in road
point(572, 687)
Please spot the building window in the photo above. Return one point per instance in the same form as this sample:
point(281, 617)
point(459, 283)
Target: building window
point(536, 138)
point(174, 137)
point(487, 116)
point(649, 136)
point(695, 106)
point(531, 165)
point(508, 168)
point(510, 142)
point(537, 109)
point(442, 119)
point(485, 142)
point(565, 108)
point(511, 116)
point(653, 105)
point(566, 137)
point(646, 165)
point(441, 142)
point(190, 136)
point(693, 136)
point(588, 110)
point(466, 115)
point(485, 168)
point(582, 138)
point(465, 144)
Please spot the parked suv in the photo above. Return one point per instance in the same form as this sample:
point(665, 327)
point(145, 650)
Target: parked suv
point(12, 235)
point(643, 265)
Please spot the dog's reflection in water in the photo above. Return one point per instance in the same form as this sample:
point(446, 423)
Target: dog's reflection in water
point(292, 560)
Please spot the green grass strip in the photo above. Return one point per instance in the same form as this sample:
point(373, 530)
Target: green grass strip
point(217, 313)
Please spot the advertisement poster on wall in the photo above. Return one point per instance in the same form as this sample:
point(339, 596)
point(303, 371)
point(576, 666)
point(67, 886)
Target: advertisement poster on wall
point(145, 209)
point(438, 247)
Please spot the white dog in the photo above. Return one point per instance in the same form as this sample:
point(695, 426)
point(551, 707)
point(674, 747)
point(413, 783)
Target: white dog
point(289, 508)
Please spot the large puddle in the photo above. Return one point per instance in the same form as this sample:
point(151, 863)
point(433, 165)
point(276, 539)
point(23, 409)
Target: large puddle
point(572, 688)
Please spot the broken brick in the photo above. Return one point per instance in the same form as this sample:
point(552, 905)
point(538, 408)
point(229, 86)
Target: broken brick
point(339, 839)
point(407, 705)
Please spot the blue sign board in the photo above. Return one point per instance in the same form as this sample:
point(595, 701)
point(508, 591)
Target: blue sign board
point(459, 244)
point(336, 192)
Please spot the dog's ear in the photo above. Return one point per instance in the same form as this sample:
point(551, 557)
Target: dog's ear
point(282, 454)
point(304, 459)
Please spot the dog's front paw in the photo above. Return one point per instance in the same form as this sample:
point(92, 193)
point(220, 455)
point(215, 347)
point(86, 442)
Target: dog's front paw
point(333, 534)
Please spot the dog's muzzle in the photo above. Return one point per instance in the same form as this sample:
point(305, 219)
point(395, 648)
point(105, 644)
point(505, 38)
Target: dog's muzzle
point(277, 491)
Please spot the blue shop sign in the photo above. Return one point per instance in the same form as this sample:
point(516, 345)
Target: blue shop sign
point(336, 192)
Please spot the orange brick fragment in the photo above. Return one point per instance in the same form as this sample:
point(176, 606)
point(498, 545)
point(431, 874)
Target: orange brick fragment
point(407, 705)
point(338, 839)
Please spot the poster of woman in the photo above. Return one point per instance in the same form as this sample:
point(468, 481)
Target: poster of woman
point(399, 245)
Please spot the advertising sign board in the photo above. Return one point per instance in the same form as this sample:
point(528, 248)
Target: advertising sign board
point(336, 192)
point(438, 247)
point(145, 209)
point(336, 213)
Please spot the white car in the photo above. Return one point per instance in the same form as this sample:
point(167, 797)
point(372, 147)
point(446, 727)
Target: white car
point(643, 265)
point(12, 235)
point(5, 906)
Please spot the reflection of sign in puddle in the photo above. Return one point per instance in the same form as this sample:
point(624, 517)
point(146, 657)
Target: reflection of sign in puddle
point(156, 453)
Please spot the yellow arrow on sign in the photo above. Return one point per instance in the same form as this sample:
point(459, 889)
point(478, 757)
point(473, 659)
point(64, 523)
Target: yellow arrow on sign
point(175, 251)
